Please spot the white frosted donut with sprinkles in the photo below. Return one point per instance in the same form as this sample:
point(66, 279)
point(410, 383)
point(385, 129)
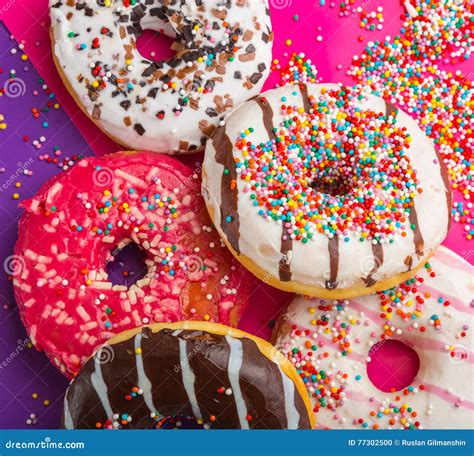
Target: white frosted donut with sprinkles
point(327, 191)
point(331, 344)
point(223, 54)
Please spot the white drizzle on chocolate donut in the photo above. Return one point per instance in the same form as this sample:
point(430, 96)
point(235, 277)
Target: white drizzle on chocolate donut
point(222, 380)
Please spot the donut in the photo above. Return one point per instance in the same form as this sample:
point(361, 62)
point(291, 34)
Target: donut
point(326, 191)
point(333, 342)
point(81, 219)
point(223, 377)
point(223, 54)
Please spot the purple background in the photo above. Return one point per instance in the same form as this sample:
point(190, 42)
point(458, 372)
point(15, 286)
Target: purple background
point(24, 371)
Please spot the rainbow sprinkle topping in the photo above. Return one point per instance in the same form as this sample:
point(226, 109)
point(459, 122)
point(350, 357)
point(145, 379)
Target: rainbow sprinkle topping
point(337, 170)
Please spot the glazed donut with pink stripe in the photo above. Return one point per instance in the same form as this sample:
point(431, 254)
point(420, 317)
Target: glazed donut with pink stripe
point(331, 343)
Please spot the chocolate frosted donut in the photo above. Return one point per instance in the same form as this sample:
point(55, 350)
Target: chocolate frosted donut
point(326, 191)
point(223, 377)
point(223, 55)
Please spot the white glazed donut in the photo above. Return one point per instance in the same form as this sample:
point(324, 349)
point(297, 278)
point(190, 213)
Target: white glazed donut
point(305, 170)
point(223, 54)
point(441, 394)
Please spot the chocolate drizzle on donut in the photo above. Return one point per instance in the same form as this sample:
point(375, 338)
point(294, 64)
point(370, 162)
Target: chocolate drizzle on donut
point(286, 249)
point(187, 373)
point(417, 235)
point(377, 252)
point(391, 110)
point(333, 248)
point(306, 101)
point(230, 223)
point(267, 115)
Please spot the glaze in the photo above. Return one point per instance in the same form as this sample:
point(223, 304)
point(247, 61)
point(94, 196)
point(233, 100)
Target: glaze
point(78, 222)
point(223, 377)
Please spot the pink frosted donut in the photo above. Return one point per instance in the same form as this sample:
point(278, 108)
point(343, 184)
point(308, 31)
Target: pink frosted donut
point(333, 344)
point(70, 231)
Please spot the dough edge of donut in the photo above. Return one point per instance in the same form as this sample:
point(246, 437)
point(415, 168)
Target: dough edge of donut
point(311, 290)
point(266, 348)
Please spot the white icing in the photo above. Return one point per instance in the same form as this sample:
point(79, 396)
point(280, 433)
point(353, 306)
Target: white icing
point(188, 379)
point(68, 421)
point(292, 415)
point(447, 382)
point(235, 363)
point(260, 239)
point(98, 383)
point(143, 381)
point(161, 135)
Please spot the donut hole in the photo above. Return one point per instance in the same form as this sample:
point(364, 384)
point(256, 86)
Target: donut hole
point(336, 180)
point(127, 265)
point(333, 184)
point(393, 365)
point(155, 45)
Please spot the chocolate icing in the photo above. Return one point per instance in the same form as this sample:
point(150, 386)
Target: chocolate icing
point(267, 115)
point(284, 267)
point(306, 101)
point(377, 251)
point(263, 396)
point(391, 110)
point(333, 247)
point(229, 191)
point(417, 234)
